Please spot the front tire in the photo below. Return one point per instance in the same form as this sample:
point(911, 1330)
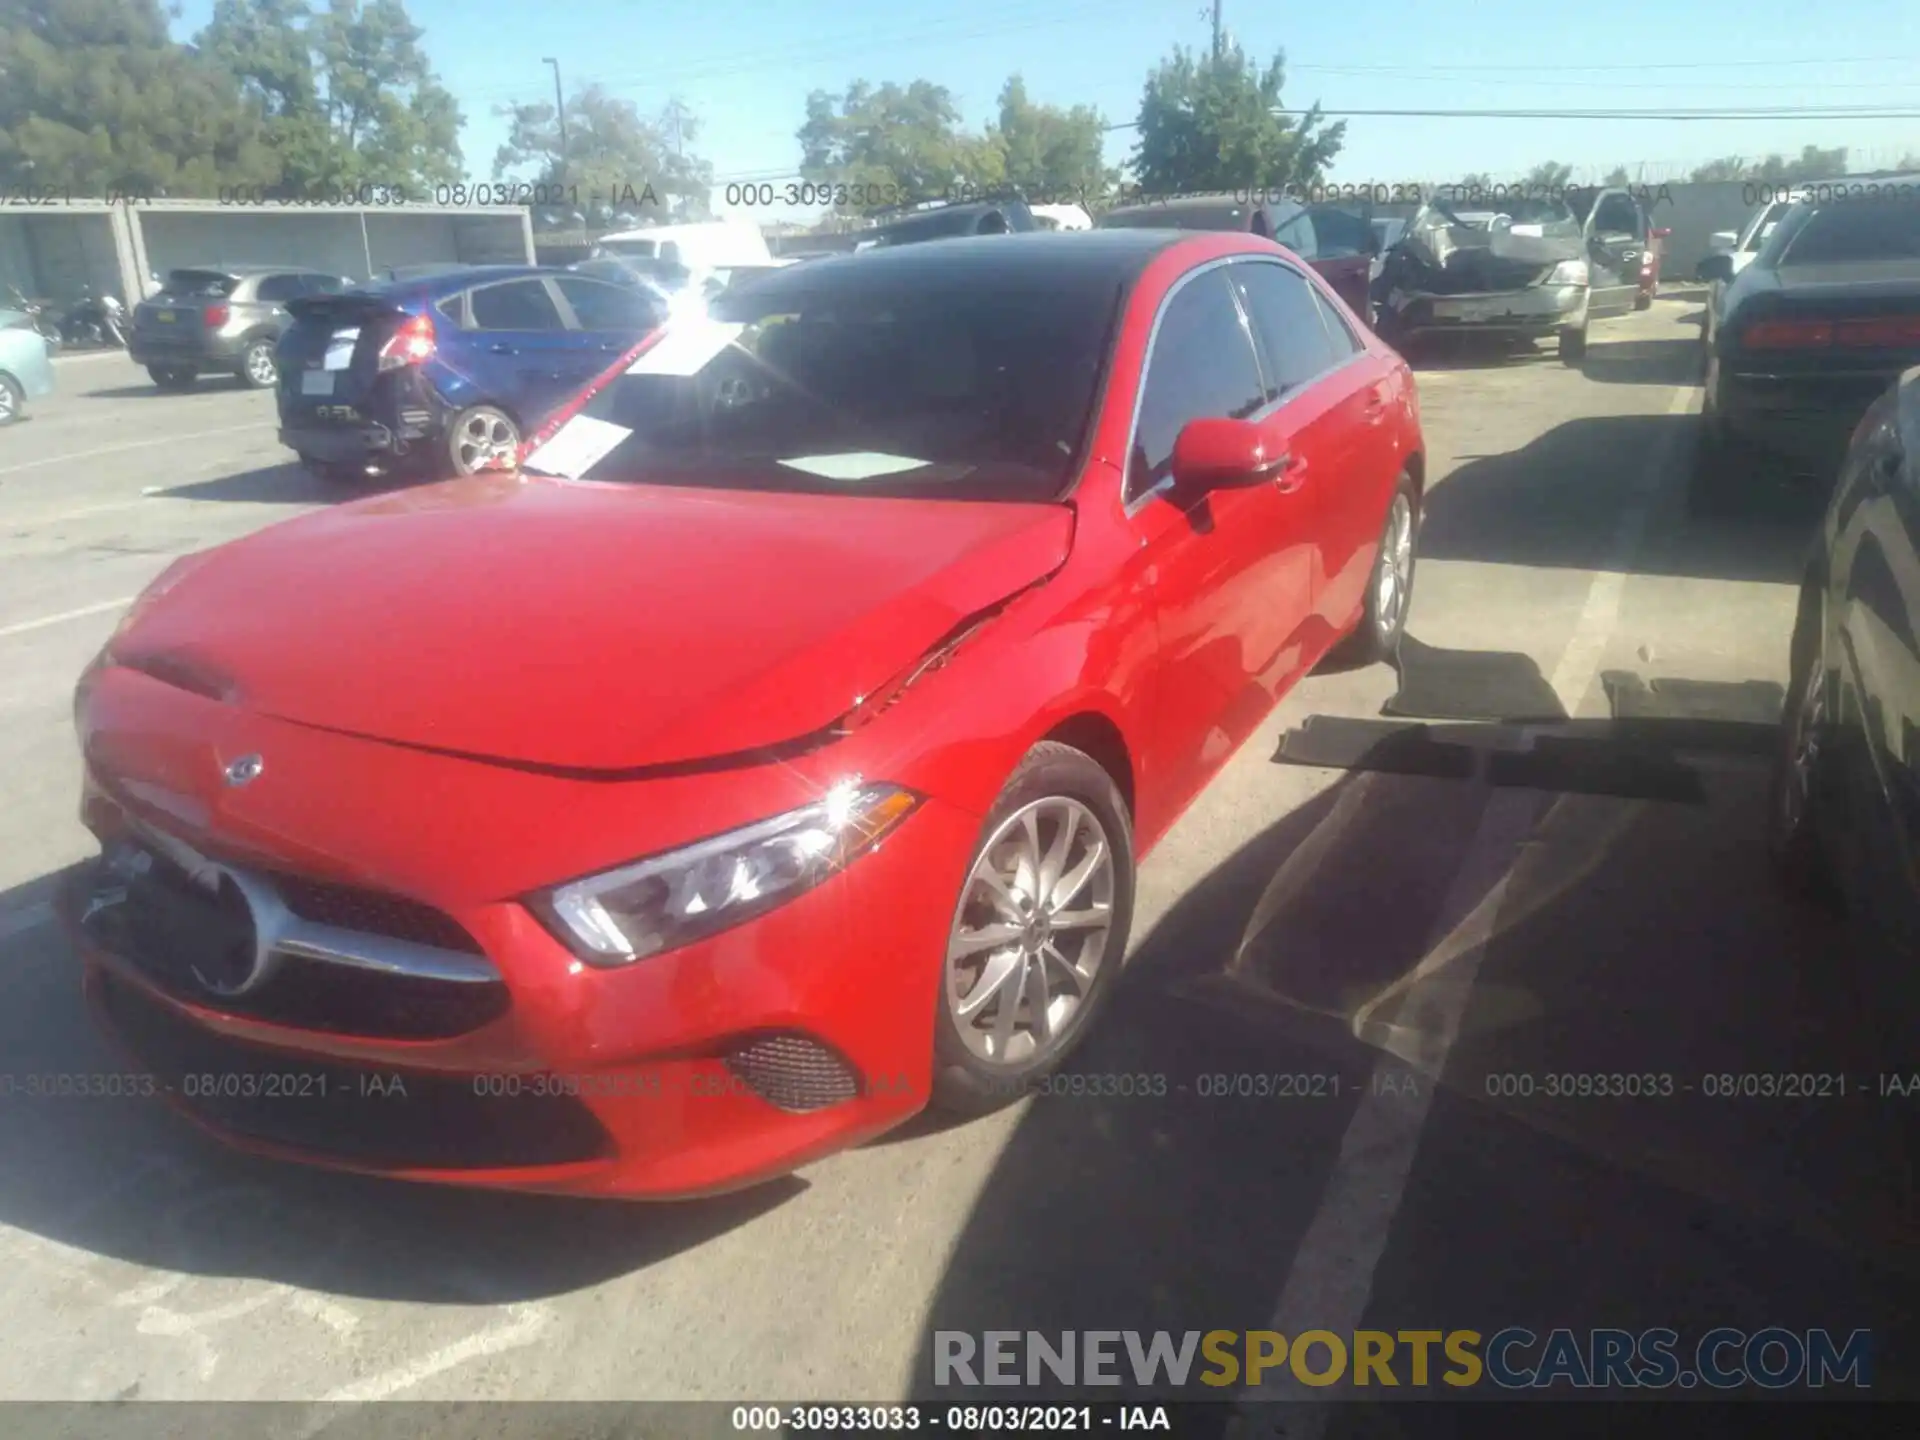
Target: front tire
point(1389, 587)
point(1038, 934)
point(13, 400)
point(1573, 346)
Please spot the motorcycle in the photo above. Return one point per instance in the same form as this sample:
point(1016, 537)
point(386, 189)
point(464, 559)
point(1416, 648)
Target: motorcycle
point(39, 316)
point(95, 320)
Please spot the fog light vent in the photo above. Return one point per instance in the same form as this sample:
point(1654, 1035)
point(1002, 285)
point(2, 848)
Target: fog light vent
point(793, 1072)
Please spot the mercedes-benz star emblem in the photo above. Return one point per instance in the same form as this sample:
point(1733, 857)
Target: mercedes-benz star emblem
point(245, 770)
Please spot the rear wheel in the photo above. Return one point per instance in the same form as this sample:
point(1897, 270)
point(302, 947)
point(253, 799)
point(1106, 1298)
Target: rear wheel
point(1573, 345)
point(173, 377)
point(1389, 588)
point(257, 367)
point(484, 437)
point(1801, 767)
point(1039, 931)
point(13, 399)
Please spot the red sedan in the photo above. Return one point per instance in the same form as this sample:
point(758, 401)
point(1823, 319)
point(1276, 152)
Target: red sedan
point(768, 757)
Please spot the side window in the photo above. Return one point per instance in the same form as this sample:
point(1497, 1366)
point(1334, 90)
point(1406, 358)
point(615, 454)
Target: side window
point(452, 309)
point(1335, 232)
point(1294, 345)
point(1297, 235)
point(325, 284)
point(515, 305)
point(1617, 215)
point(1339, 333)
point(599, 306)
point(278, 289)
point(1202, 364)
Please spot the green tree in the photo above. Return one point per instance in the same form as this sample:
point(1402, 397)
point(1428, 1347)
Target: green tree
point(902, 140)
point(1210, 125)
point(1548, 175)
point(348, 92)
point(95, 96)
point(1618, 176)
point(1049, 153)
point(1727, 167)
point(1478, 180)
point(624, 168)
point(1812, 163)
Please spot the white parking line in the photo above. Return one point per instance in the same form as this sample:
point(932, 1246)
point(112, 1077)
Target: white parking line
point(23, 626)
point(73, 455)
point(1331, 1281)
point(524, 1323)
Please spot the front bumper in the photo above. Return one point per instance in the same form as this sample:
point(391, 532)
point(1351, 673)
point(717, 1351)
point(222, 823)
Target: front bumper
point(1538, 311)
point(664, 1078)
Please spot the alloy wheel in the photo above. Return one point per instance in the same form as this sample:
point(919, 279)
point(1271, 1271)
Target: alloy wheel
point(1031, 931)
point(484, 439)
point(1803, 744)
point(1395, 581)
point(8, 404)
point(260, 366)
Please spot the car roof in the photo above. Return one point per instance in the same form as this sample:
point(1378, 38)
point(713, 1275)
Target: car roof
point(1101, 256)
point(452, 282)
point(241, 272)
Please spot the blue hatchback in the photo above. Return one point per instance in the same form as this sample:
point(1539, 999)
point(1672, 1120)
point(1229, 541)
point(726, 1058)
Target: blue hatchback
point(445, 374)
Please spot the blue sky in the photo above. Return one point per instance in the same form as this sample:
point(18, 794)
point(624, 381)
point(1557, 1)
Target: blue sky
point(745, 68)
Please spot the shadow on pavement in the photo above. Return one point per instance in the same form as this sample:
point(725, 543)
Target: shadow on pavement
point(1556, 502)
point(283, 484)
point(124, 1181)
point(1627, 938)
point(1666, 362)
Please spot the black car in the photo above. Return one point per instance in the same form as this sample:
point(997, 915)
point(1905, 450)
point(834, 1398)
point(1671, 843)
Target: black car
point(447, 373)
point(227, 319)
point(1809, 333)
point(1845, 823)
point(935, 221)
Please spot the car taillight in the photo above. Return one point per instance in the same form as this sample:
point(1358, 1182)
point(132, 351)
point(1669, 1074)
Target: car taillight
point(214, 316)
point(1874, 333)
point(410, 344)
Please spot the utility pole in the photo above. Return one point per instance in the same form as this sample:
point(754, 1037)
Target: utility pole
point(560, 111)
point(1216, 29)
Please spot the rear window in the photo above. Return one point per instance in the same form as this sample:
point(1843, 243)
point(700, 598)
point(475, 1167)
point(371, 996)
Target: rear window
point(1854, 232)
point(1226, 216)
point(846, 380)
point(198, 285)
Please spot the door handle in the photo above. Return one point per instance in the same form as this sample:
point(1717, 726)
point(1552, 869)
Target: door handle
point(1289, 472)
point(503, 350)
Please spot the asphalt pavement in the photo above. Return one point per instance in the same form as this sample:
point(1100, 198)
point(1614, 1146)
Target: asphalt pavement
point(1422, 948)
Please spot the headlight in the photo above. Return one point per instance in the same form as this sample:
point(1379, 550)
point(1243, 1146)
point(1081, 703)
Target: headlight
point(685, 895)
point(1569, 272)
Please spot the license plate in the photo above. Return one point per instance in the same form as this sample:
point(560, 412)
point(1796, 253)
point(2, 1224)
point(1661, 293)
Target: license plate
point(1480, 310)
point(165, 317)
point(316, 382)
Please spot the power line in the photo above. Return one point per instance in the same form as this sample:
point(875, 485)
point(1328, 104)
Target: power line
point(1745, 113)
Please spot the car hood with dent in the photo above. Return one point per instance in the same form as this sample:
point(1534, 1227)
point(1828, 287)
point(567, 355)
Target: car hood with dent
point(584, 626)
point(1437, 256)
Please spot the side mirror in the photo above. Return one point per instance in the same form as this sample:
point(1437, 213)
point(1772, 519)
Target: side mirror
point(1714, 267)
point(1217, 453)
point(1661, 233)
point(1722, 241)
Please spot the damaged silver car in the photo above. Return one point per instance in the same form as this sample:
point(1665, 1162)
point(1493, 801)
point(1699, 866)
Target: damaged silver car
point(1524, 267)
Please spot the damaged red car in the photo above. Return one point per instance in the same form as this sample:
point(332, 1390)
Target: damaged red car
point(767, 757)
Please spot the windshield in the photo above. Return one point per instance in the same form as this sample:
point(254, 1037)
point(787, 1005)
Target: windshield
point(921, 383)
point(1854, 232)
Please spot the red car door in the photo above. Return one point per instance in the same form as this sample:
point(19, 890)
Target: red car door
point(1230, 571)
point(1338, 247)
point(1332, 406)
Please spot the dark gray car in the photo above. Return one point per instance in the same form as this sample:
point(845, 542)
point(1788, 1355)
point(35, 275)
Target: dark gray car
point(221, 318)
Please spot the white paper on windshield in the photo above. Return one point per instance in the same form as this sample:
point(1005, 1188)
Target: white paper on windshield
point(1536, 232)
point(340, 349)
point(576, 447)
point(686, 348)
point(865, 465)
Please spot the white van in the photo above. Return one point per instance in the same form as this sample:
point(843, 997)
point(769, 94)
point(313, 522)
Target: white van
point(702, 246)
